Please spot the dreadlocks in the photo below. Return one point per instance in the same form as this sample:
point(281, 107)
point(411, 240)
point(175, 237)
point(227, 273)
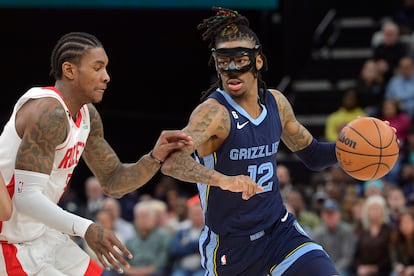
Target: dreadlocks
point(229, 25)
point(69, 48)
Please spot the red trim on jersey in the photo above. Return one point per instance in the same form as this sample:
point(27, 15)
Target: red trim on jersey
point(10, 190)
point(13, 266)
point(93, 269)
point(79, 115)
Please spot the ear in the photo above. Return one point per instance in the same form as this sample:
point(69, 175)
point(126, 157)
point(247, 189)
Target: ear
point(68, 70)
point(259, 62)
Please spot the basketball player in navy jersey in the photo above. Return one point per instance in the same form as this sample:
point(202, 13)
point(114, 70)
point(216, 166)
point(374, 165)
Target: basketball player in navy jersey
point(237, 129)
point(48, 132)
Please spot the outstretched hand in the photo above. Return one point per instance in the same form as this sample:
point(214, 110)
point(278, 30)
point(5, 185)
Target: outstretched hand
point(107, 247)
point(170, 141)
point(241, 183)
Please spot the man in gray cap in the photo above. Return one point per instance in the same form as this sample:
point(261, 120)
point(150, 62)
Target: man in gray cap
point(336, 237)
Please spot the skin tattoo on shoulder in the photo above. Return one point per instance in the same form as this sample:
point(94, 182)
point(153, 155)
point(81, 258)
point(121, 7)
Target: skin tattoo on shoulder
point(37, 148)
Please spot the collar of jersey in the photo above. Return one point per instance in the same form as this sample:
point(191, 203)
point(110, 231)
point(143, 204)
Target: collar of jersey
point(243, 112)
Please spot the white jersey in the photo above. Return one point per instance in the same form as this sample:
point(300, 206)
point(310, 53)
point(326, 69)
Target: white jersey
point(21, 228)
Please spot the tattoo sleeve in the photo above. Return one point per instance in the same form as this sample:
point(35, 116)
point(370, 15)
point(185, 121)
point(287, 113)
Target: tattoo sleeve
point(294, 135)
point(43, 126)
point(208, 123)
point(116, 178)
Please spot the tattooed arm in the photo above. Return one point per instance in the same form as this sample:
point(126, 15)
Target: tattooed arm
point(116, 178)
point(295, 136)
point(315, 155)
point(209, 125)
point(42, 125)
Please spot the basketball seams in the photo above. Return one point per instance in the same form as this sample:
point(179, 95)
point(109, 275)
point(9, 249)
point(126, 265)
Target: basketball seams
point(365, 154)
point(376, 156)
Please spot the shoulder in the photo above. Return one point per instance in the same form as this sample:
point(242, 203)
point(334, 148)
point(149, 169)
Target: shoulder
point(46, 110)
point(210, 107)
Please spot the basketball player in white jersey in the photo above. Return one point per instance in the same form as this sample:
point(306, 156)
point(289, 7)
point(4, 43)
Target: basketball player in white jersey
point(49, 130)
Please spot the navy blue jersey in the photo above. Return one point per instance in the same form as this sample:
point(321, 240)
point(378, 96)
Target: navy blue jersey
point(250, 149)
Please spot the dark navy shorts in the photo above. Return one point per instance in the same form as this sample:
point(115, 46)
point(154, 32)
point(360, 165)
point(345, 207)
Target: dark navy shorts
point(285, 249)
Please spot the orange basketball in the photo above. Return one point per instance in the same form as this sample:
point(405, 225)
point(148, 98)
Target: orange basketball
point(367, 148)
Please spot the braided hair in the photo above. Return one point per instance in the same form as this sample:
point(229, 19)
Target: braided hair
point(229, 25)
point(71, 47)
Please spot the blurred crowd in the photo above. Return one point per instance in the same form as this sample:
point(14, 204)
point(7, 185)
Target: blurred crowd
point(367, 227)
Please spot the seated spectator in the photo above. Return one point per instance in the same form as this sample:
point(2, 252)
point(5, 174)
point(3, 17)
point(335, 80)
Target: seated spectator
point(401, 86)
point(370, 88)
point(285, 180)
point(94, 198)
point(336, 237)
point(150, 246)
point(308, 219)
point(389, 50)
point(124, 228)
point(373, 187)
point(348, 110)
point(396, 202)
point(402, 245)
point(393, 113)
point(407, 170)
point(372, 255)
point(184, 245)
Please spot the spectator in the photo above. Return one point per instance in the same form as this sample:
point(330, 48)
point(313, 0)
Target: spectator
point(370, 88)
point(150, 245)
point(402, 245)
point(373, 187)
point(397, 203)
point(180, 219)
point(407, 170)
point(401, 86)
point(307, 219)
point(389, 50)
point(393, 113)
point(122, 227)
point(336, 237)
point(184, 245)
point(372, 252)
point(94, 198)
point(349, 110)
point(285, 180)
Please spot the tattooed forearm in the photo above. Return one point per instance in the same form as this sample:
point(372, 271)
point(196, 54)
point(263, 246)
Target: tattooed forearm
point(185, 168)
point(116, 178)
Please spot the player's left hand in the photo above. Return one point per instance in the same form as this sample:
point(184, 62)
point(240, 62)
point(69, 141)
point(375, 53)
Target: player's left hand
point(169, 141)
point(107, 247)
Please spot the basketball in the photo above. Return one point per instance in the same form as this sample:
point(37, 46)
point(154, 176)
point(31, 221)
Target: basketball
point(367, 148)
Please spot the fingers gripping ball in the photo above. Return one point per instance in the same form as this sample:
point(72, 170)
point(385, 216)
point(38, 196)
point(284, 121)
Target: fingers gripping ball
point(367, 148)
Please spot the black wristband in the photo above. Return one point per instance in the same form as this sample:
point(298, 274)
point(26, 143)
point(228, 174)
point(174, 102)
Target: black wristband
point(155, 159)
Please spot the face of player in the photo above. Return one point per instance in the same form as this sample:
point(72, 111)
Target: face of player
point(234, 63)
point(92, 76)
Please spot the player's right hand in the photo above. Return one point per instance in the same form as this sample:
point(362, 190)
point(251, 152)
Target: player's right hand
point(241, 183)
point(107, 247)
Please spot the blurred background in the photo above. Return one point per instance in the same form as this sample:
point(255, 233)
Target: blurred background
point(158, 61)
point(319, 53)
